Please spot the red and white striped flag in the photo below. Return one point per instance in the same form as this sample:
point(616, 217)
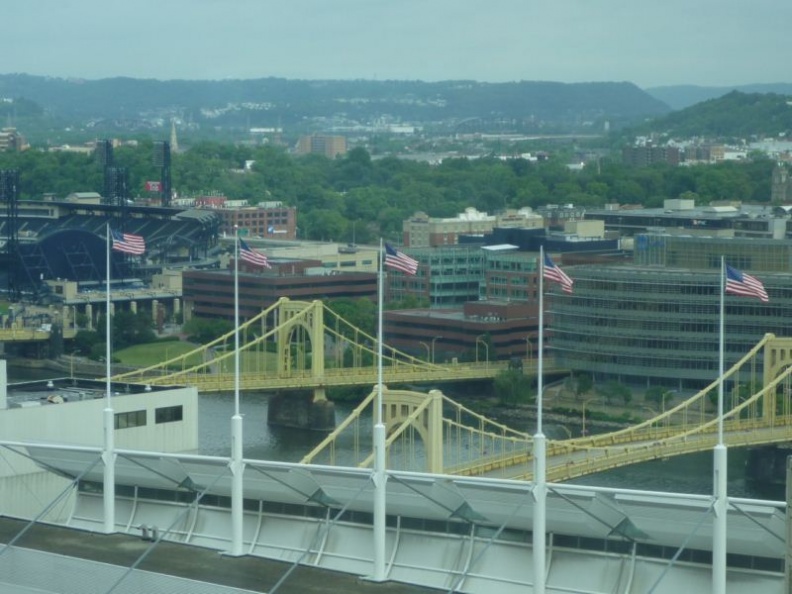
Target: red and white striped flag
point(252, 256)
point(128, 243)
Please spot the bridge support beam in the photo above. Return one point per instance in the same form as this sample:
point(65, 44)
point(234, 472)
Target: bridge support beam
point(302, 411)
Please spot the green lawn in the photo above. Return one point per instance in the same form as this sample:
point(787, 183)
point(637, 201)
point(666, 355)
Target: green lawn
point(145, 355)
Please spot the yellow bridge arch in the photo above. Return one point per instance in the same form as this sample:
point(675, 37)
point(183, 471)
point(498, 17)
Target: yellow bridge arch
point(314, 349)
point(761, 417)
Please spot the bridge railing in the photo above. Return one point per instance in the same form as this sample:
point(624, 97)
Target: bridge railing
point(471, 438)
point(688, 417)
point(687, 427)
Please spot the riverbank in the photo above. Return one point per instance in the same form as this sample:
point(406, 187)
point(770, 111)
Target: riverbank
point(68, 366)
point(562, 410)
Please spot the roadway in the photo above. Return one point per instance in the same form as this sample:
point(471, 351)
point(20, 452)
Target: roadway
point(572, 458)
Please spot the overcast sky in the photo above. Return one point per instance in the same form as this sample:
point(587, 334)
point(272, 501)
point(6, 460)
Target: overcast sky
point(650, 43)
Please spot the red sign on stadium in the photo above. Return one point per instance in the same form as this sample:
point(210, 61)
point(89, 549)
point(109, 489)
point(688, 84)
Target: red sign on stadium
point(153, 186)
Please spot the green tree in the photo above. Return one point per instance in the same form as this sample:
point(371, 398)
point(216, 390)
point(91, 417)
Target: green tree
point(613, 390)
point(360, 313)
point(84, 341)
point(659, 396)
point(323, 224)
point(512, 387)
point(132, 328)
point(203, 330)
point(583, 384)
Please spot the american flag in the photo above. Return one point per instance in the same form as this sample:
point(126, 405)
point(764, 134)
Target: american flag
point(555, 274)
point(128, 243)
point(745, 285)
point(252, 256)
point(399, 260)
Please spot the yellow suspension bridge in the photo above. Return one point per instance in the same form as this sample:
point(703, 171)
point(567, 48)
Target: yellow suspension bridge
point(300, 345)
point(442, 436)
point(455, 440)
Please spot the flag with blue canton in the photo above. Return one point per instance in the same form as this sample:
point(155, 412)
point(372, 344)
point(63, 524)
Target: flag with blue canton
point(553, 273)
point(744, 285)
point(128, 243)
point(400, 261)
point(252, 256)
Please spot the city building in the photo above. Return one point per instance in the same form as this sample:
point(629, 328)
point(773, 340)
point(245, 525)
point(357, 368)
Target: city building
point(656, 321)
point(645, 155)
point(421, 230)
point(707, 153)
point(479, 331)
point(447, 276)
point(510, 275)
point(557, 215)
point(269, 219)
point(725, 218)
point(474, 291)
point(317, 144)
point(211, 293)
point(331, 256)
point(11, 140)
point(69, 412)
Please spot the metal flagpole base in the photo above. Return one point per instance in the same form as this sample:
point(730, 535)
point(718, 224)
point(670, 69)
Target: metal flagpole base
point(108, 486)
point(540, 512)
point(237, 488)
point(380, 505)
point(719, 523)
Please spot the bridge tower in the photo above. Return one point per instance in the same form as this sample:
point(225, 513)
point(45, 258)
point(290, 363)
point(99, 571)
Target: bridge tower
point(777, 357)
point(424, 413)
point(298, 329)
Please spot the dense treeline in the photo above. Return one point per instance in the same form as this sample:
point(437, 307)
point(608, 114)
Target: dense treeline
point(735, 116)
point(288, 103)
point(373, 196)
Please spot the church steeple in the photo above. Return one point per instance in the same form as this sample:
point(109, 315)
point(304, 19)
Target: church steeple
point(174, 143)
point(781, 185)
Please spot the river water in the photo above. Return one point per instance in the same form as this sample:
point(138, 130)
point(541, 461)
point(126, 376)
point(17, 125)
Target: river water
point(684, 474)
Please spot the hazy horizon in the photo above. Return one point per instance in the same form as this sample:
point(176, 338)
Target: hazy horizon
point(705, 43)
point(164, 80)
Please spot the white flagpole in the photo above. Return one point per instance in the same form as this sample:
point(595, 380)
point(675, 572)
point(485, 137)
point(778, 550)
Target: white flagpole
point(720, 465)
point(380, 476)
point(539, 454)
point(237, 466)
point(108, 456)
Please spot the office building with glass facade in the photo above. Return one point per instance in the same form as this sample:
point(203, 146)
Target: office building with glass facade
point(447, 276)
point(656, 321)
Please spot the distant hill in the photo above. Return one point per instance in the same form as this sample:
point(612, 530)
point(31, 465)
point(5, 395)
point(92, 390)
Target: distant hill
point(682, 96)
point(279, 102)
point(735, 115)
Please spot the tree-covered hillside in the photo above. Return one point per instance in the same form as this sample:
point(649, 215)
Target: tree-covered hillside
point(683, 96)
point(736, 115)
point(275, 102)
